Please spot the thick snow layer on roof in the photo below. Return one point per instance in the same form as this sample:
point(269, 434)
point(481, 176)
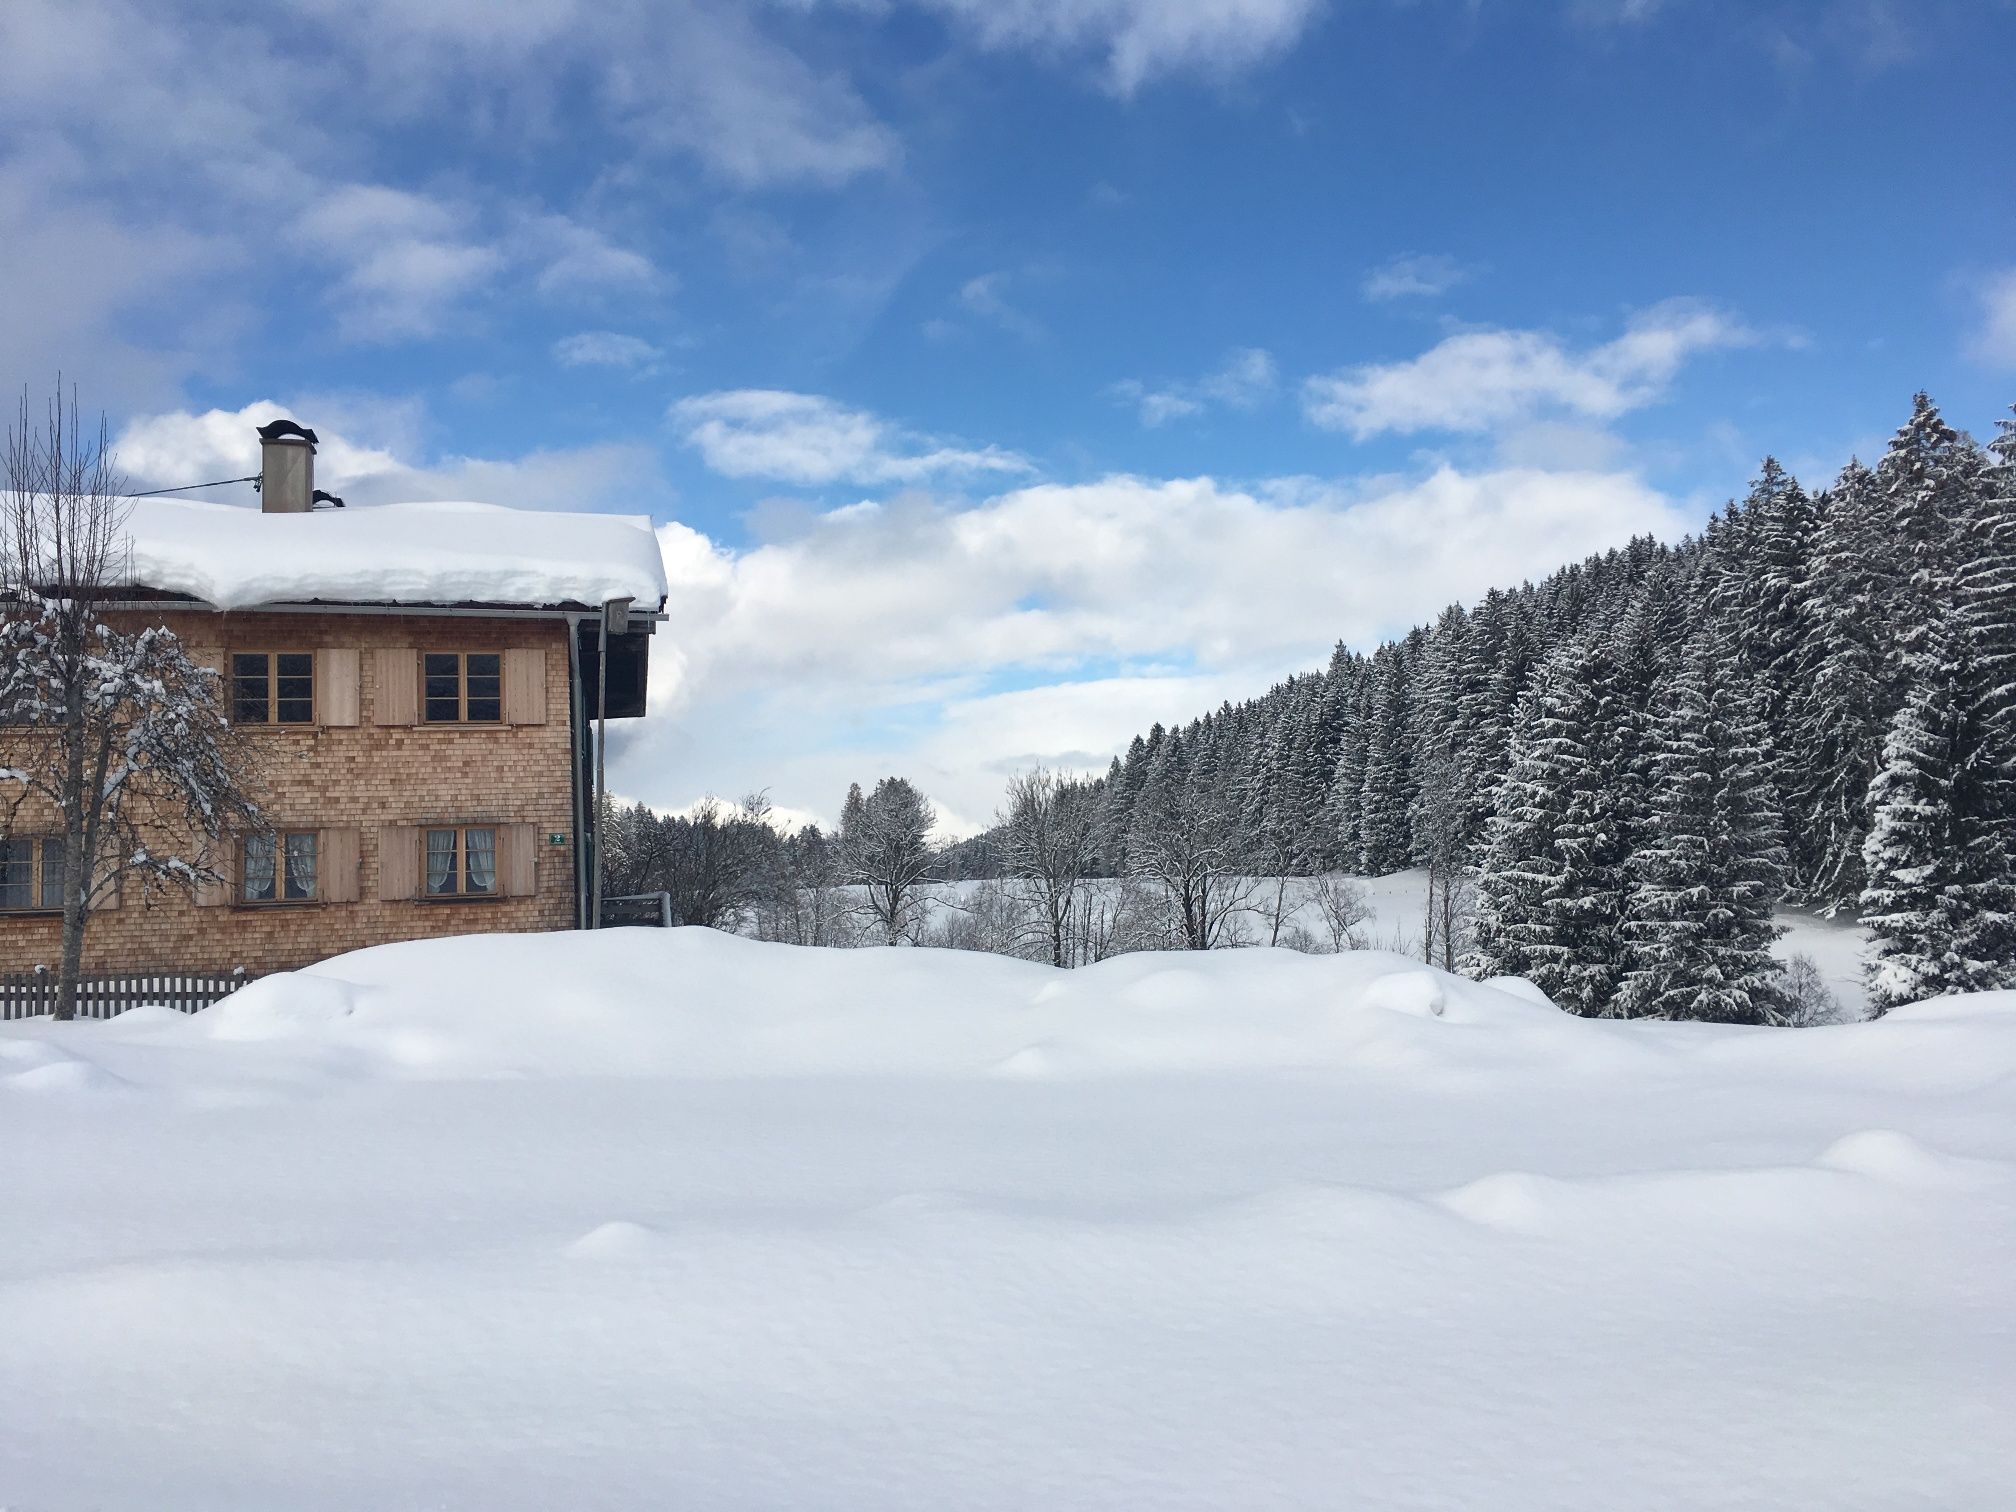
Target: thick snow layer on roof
point(424, 553)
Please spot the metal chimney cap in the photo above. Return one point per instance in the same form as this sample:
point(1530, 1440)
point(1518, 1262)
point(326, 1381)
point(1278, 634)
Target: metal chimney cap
point(280, 430)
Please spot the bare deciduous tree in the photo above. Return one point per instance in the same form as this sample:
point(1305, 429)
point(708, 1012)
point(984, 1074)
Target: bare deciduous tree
point(113, 743)
point(1048, 847)
point(1441, 824)
point(1342, 905)
point(886, 851)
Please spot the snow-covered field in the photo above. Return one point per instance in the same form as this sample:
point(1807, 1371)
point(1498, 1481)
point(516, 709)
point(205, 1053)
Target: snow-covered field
point(676, 1219)
point(1394, 905)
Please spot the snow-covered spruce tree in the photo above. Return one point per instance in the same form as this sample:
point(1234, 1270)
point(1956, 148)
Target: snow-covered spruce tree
point(1766, 601)
point(1345, 810)
point(885, 849)
point(1837, 715)
point(1985, 595)
point(1938, 904)
point(1711, 865)
point(1553, 882)
point(113, 743)
point(1519, 867)
point(1383, 832)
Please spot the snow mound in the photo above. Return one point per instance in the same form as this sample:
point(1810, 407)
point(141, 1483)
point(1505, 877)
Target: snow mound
point(1517, 1202)
point(1889, 1155)
point(68, 1076)
point(1520, 988)
point(697, 1002)
point(286, 1005)
point(19, 1055)
point(618, 1239)
point(423, 553)
point(1417, 992)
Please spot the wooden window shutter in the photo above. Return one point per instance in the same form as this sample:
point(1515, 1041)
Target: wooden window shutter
point(337, 675)
point(525, 686)
point(215, 894)
point(338, 865)
point(518, 859)
point(396, 700)
point(398, 862)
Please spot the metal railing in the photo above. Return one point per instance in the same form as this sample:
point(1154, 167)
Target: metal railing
point(653, 910)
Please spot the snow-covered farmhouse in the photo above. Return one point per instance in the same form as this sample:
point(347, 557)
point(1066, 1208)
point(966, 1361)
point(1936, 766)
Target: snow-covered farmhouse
point(424, 687)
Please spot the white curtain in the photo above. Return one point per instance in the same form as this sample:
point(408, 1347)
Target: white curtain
point(482, 860)
point(259, 857)
point(441, 861)
point(300, 866)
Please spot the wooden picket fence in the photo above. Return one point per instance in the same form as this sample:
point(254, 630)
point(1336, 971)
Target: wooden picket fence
point(25, 994)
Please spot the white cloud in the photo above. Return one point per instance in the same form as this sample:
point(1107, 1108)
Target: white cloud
point(704, 79)
point(1995, 340)
point(1140, 40)
point(409, 264)
point(986, 297)
point(1247, 379)
point(1415, 275)
point(877, 640)
point(578, 261)
point(611, 349)
point(812, 440)
point(1482, 380)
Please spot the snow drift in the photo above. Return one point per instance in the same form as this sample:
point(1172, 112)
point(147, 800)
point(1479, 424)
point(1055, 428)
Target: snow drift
point(673, 1218)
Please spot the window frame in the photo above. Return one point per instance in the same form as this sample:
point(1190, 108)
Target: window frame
point(459, 862)
point(281, 866)
point(273, 721)
point(462, 697)
point(38, 875)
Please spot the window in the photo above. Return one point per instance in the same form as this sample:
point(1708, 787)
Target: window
point(31, 873)
point(464, 687)
point(273, 687)
point(461, 862)
point(279, 868)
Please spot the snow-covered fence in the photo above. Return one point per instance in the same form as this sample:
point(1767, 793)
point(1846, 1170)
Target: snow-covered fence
point(26, 994)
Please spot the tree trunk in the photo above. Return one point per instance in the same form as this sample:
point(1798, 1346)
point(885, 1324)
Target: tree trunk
point(77, 863)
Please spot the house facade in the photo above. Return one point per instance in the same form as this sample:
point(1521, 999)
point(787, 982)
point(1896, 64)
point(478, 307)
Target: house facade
point(424, 757)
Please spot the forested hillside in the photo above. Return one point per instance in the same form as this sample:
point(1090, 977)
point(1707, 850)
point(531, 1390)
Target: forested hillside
point(1618, 772)
point(1613, 776)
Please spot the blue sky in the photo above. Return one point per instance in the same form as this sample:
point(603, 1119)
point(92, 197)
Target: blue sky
point(1010, 374)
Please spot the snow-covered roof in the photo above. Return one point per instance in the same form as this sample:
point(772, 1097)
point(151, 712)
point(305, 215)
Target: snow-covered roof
point(424, 553)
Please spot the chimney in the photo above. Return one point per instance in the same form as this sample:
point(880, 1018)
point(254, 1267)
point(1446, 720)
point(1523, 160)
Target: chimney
point(286, 468)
